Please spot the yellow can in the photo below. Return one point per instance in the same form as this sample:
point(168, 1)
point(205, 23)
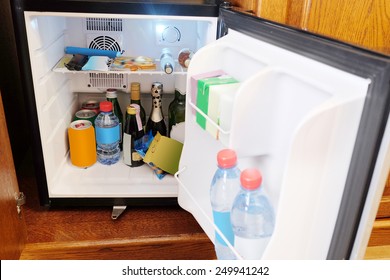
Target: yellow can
point(82, 143)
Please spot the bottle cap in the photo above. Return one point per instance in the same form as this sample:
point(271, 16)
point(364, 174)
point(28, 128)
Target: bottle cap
point(131, 110)
point(135, 86)
point(111, 93)
point(187, 62)
point(251, 179)
point(135, 91)
point(226, 158)
point(168, 68)
point(105, 106)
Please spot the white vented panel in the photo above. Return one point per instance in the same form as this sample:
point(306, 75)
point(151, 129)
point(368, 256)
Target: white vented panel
point(104, 80)
point(104, 24)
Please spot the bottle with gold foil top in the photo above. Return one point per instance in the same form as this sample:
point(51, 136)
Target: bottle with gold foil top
point(135, 98)
point(133, 131)
point(156, 121)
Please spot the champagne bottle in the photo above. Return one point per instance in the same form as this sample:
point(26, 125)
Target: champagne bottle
point(135, 98)
point(156, 121)
point(133, 131)
point(112, 96)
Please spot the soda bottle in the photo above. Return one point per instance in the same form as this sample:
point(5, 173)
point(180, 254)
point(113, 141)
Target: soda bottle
point(135, 98)
point(133, 131)
point(224, 187)
point(156, 121)
point(107, 134)
point(252, 216)
point(112, 96)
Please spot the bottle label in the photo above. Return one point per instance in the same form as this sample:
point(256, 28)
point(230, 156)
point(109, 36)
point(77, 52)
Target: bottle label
point(107, 135)
point(135, 156)
point(251, 249)
point(127, 148)
point(120, 133)
point(222, 221)
point(139, 122)
point(178, 132)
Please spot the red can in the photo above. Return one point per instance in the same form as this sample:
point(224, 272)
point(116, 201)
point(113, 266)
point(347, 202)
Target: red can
point(91, 105)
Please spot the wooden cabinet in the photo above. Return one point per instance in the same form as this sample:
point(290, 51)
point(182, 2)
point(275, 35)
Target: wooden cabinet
point(365, 23)
point(13, 227)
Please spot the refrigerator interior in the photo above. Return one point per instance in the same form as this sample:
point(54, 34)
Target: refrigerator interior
point(294, 118)
point(59, 93)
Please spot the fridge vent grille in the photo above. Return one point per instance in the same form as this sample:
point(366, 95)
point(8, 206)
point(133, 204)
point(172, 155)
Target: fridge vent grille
point(105, 43)
point(104, 80)
point(104, 24)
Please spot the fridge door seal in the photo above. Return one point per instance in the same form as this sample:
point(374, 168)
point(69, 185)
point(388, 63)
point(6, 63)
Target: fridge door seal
point(360, 62)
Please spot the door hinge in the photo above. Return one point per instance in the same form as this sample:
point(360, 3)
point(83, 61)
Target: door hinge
point(20, 200)
point(226, 4)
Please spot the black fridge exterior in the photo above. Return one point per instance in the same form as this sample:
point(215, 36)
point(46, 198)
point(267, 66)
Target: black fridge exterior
point(351, 59)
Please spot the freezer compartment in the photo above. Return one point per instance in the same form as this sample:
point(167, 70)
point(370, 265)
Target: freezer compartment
point(59, 93)
point(296, 120)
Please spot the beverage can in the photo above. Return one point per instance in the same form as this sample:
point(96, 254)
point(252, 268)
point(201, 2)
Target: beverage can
point(80, 124)
point(82, 144)
point(84, 114)
point(91, 105)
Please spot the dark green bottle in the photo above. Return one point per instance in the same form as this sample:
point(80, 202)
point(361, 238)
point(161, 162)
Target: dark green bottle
point(112, 96)
point(176, 115)
point(133, 131)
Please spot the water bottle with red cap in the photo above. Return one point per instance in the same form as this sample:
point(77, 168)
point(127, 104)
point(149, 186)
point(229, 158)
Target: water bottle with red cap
point(252, 216)
point(107, 135)
point(224, 188)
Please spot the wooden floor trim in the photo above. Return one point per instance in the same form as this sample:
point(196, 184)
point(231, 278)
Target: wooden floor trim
point(192, 246)
point(378, 253)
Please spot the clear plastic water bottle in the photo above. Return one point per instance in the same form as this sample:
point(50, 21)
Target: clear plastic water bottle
point(252, 217)
point(107, 135)
point(166, 61)
point(224, 188)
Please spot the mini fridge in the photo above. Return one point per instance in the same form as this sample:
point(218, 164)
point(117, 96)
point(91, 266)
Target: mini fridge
point(311, 113)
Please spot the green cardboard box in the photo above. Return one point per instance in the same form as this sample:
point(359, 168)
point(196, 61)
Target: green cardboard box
point(202, 100)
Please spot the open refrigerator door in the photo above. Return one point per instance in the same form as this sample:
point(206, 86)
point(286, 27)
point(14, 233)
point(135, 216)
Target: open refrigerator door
point(301, 115)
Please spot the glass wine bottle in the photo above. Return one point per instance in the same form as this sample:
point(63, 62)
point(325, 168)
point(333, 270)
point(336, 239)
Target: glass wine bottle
point(176, 110)
point(135, 98)
point(133, 131)
point(156, 121)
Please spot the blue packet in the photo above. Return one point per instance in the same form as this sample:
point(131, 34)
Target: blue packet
point(141, 146)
